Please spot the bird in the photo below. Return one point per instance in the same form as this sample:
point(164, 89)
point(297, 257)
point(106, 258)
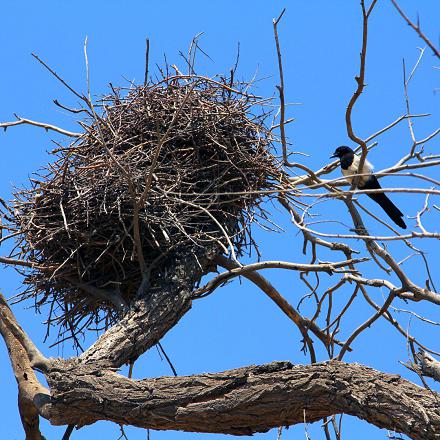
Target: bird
point(349, 166)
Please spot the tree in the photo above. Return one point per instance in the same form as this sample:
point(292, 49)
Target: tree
point(257, 398)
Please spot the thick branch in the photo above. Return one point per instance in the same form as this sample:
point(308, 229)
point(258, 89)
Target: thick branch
point(158, 309)
point(30, 390)
point(245, 400)
point(11, 326)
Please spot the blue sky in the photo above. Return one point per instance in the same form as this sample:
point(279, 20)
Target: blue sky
point(236, 325)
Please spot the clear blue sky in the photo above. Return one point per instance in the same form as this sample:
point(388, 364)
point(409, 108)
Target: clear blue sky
point(237, 325)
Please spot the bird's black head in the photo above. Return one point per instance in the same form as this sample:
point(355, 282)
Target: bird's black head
point(342, 151)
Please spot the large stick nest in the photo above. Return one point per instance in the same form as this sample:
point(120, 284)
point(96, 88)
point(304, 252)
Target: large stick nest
point(159, 170)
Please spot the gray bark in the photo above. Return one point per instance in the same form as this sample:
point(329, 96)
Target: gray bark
point(252, 399)
point(245, 400)
point(157, 310)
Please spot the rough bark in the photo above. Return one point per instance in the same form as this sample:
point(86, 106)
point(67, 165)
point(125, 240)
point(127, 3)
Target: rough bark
point(157, 310)
point(28, 384)
point(245, 400)
point(86, 389)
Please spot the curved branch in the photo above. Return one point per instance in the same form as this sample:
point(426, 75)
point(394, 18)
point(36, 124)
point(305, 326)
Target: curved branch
point(329, 268)
point(360, 80)
point(10, 325)
point(303, 324)
point(245, 400)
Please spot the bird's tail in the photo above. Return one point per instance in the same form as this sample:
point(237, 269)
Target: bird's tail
point(390, 208)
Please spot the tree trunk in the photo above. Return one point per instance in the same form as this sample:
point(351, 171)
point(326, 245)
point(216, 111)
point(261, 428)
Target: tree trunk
point(157, 310)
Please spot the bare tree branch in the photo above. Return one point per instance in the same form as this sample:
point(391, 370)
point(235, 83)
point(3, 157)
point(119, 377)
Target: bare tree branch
point(30, 392)
point(416, 27)
point(303, 324)
point(245, 400)
point(47, 127)
point(37, 360)
point(329, 268)
point(360, 88)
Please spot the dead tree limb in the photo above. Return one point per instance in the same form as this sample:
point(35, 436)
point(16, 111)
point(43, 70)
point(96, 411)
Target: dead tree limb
point(245, 400)
point(416, 28)
point(29, 388)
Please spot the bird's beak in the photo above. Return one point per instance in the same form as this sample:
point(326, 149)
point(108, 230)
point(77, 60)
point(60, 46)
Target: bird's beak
point(333, 155)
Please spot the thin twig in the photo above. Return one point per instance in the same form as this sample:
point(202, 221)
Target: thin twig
point(68, 432)
point(82, 97)
point(280, 88)
point(47, 127)
point(147, 58)
point(360, 87)
point(167, 359)
point(416, 28)
point(302, 323)
point(366, 324)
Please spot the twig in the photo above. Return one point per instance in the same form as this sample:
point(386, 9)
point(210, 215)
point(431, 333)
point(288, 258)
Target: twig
point(420, 213)
point(366, 324)
point(68, 432)
point(14, 262)
point(280, 430)
point(405, 89)
point(123, 435)
point(147, 57)
point(394, 123)
point(20, 121)
point(168, 359)
point(388, 316)
point(302, 323)
point(373, 191)
point(416, 28)
point(412, 235)
point(360, 87)
point(280, 88)
point(130, 368)
point(82, 97)
point(69, 109)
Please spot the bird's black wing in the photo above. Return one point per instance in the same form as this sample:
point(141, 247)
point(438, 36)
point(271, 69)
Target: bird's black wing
point(387, 205)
